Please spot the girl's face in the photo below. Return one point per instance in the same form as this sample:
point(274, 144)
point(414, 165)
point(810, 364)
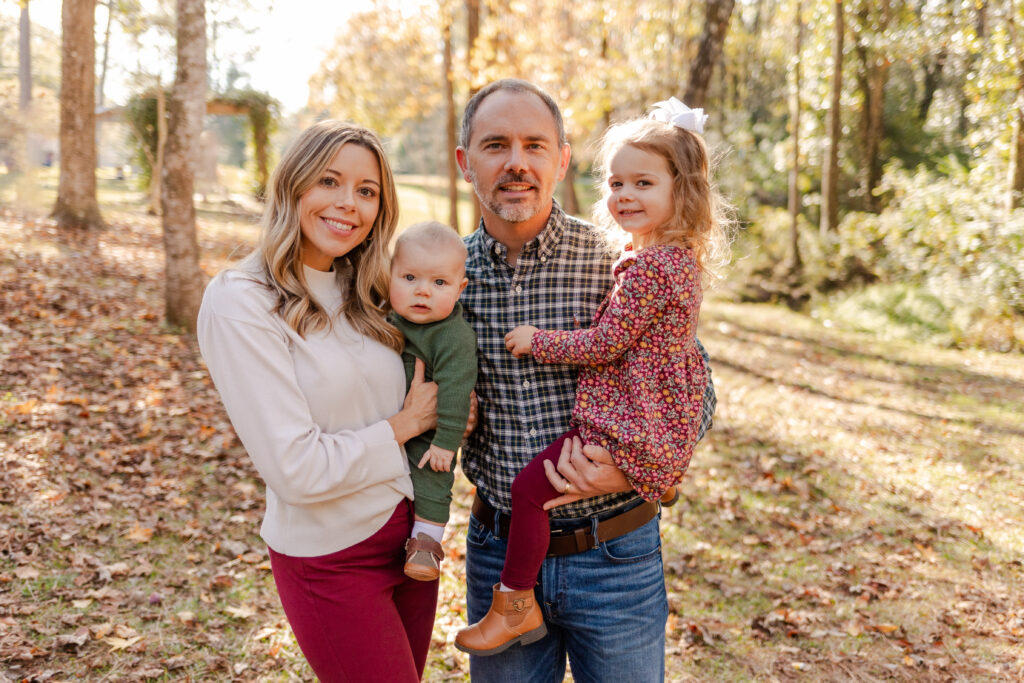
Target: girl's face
point(338, 211)
point(640, 193)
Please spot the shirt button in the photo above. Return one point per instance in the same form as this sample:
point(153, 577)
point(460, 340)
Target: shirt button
point(533, 432)
point(526, 384)
point(543, 259)
point(519, 288)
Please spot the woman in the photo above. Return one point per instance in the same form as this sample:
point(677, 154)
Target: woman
point(308, 369)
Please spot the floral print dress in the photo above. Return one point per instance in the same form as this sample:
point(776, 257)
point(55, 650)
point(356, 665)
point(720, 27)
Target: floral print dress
point(641, 387)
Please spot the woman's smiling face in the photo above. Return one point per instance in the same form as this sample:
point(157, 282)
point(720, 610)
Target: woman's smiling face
point(337, 213)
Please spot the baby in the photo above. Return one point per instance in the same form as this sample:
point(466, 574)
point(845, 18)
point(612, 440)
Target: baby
point(428, 273)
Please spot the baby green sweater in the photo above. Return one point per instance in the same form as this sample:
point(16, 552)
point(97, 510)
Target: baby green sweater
point(448, 347)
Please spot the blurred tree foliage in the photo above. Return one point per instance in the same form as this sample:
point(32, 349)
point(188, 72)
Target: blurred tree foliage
point(930, 155)
point(931, 145)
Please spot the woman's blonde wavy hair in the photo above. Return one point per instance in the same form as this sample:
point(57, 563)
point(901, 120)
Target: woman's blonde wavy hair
point(278, 253)
point(702, 221)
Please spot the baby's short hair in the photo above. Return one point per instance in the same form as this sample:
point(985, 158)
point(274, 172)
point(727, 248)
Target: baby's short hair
point(432, 234)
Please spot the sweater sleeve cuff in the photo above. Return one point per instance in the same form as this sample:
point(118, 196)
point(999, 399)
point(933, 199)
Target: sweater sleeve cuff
point(377, 433)
point(381, 438)
point(448, 439)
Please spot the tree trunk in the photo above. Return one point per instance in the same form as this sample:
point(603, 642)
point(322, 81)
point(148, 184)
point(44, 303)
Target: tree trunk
point(450, 128)
point(1015, 188)
point(1015, 179)
point(874, 129)
point(669, 75)
point(934, 65)
point(184, 281)
point(260, 142)
point(716, 23)
point(873, 78)
point(830, 168)
point(606, 112)
point(23, 157)
point(76, 205)
point(980, 33)
point(472, 33)
point(570, 202)
point(932, 80)
point(795, 264)
point(24, 60)
point(100, 97)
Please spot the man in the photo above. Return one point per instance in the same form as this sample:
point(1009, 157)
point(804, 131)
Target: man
point(602, 587)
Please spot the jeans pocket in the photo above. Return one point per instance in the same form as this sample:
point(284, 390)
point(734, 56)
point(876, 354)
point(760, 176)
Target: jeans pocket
point(478, 536)
point(641, 545)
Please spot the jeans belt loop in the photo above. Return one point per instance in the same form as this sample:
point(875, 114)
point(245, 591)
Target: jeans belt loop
point(498, 515)
point(582, 544)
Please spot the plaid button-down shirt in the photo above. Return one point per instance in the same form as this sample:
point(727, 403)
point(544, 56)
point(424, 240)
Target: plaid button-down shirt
point(557, 283)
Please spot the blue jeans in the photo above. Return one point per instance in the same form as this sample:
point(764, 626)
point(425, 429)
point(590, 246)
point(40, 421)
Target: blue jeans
point(605, 609)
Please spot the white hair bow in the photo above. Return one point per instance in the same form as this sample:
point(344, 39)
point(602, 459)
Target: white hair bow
point(678, 114)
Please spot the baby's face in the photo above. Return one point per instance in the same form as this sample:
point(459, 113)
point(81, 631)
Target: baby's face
point(426, 282)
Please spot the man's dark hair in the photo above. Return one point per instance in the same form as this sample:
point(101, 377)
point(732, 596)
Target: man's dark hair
point(512, 85)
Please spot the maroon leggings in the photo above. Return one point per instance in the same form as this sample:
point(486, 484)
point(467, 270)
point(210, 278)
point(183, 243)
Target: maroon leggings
point(356, 616)
point(530, 532)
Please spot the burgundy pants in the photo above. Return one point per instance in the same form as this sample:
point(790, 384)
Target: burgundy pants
point(356, 616)
point(529, 532)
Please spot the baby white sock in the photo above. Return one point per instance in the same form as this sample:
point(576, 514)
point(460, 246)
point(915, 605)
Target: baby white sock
point(435, 531)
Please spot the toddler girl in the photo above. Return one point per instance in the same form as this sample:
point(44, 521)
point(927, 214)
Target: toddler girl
point(642, 380)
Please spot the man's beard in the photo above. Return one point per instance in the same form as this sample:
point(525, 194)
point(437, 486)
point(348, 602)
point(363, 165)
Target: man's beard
point(512, 213)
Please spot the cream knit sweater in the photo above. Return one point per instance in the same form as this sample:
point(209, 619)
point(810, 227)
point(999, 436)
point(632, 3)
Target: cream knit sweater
point(312, 414)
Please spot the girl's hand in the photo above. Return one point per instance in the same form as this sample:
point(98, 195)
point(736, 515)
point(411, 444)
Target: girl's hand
point(520, 340)
point(583, 472)
point(419, 413)
point(440, 459)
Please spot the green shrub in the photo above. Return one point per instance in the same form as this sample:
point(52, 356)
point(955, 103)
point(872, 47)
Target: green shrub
point(942, 262)
point(945, 233)
point(948, 257)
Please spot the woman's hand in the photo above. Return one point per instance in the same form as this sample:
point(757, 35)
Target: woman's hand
point(583, 472)
point(520, 340)
point(419, 413)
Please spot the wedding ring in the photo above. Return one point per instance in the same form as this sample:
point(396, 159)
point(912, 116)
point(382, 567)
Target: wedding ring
point(567, 487)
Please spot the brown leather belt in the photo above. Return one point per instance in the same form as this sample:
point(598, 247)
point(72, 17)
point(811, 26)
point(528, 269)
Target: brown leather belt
point(572, 541)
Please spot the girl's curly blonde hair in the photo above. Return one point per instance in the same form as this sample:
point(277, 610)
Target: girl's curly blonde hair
point(278, 254)
point(702, 220)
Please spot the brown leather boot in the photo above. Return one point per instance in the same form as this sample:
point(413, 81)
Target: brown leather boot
point(670, 497)
point(423, 557)
point(514, 617)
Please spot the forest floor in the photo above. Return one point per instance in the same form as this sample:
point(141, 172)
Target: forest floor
point(855, 514)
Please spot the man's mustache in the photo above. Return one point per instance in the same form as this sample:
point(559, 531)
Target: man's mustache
point(512, 178)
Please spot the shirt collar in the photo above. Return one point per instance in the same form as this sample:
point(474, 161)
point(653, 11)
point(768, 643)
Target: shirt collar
point(543, 244)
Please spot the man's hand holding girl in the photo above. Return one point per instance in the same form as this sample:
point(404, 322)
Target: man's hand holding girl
point(583, 472)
